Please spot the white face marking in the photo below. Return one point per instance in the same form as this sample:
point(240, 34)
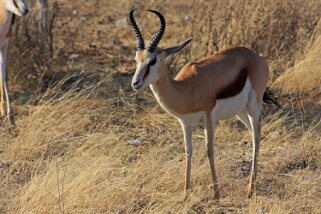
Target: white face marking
point(146, 72)
point(18, 7)
point(230, 107)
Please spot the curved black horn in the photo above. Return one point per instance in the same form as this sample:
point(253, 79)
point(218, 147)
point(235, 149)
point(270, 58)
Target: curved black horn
point(157, 37)
point(139, 37)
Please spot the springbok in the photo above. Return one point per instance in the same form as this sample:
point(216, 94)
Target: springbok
point(8, 11)
point(230, 83)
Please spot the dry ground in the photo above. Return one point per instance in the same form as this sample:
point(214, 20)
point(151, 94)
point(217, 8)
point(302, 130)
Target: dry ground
point(70, 152)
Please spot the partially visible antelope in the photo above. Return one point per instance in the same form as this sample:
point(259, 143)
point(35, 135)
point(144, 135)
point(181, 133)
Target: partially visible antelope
point(8, 11)
point(230, 83)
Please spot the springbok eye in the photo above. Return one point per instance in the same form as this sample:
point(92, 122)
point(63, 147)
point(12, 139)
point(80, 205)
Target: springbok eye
point(153, 61)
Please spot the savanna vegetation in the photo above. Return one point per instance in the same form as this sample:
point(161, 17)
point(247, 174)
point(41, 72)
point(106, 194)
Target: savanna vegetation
point(85, 142)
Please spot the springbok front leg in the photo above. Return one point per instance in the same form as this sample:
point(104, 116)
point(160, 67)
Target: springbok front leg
point(209, 136)
point(2, 82)
point(187, 130)
point(5, 84)
point(254, 114)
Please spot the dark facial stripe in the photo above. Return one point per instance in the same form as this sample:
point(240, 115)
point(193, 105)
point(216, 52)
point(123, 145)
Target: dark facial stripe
point(235, 87)
point(15, 4)
point(147, 72)
point(148, 67)
point(153, 61)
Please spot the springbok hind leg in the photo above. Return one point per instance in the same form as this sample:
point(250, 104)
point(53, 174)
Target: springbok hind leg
point(243, 116)
point(254, 114)
point(209, 136)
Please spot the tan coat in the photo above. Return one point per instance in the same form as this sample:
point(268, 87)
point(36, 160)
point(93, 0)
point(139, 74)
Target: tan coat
point(199, 84)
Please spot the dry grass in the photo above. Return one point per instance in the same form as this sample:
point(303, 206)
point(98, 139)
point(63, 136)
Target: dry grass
point(70, 152)
point(309, 68)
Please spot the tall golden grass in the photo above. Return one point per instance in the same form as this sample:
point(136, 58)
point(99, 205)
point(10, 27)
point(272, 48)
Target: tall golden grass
point(71, 151)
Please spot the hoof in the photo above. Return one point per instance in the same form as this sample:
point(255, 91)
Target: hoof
point(217, 195)
point(250, 190)
point(11, 121)
point(187, 193)
point(249, 194)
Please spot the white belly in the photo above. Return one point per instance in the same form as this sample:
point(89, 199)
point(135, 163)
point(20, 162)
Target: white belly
point(187, 119)
point(193, 118)
point(229, 107)
point(224, 108)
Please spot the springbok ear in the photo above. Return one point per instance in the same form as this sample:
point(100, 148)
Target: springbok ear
point(176, 48)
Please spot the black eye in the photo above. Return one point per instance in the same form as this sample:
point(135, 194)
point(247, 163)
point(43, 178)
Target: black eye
point(153, 61)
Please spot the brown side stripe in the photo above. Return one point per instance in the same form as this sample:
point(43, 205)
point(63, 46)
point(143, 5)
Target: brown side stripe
point(235, 87)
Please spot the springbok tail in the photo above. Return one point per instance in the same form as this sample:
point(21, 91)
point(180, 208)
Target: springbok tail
point(269, 97)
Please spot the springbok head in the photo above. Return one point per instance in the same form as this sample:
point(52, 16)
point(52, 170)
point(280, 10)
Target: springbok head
point(18, 7)
point(148, 59)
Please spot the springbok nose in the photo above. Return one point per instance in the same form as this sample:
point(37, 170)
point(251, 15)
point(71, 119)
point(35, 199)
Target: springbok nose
point(26, 10)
